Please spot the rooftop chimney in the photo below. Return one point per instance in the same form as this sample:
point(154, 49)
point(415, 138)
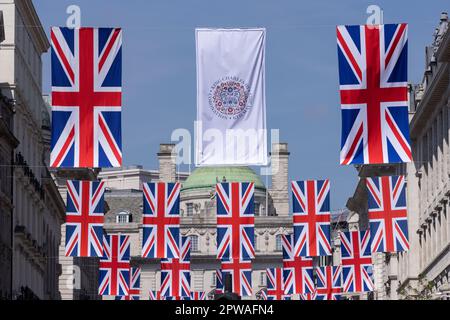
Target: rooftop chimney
point(167, 163)
point(280, 184)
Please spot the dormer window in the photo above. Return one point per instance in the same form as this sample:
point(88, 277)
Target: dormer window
point(123, 217)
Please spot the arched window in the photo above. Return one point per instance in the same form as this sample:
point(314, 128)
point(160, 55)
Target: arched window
point(194, 243)
point(123, 217)
point(278, 246)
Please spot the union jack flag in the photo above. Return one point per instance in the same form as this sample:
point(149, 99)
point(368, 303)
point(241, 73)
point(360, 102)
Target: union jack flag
point(263, 295)
point(198, 295)
point(176, 298)
point(241, 276)
point(161, 220)
point(155, 295)
point(114, 266)
point(175, 272)
point(235, 221)
point(374, 96)
point(219, 282)
point(86, 97)
point(311, 218)
point(84, 218)
point(356, 261)
point(275, 285)
point(297, 271)
point(329, 286)
point(309, 296)
point(135, 285)
point(387, 214)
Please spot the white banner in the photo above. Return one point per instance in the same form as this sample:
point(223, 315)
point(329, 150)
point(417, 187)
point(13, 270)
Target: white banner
point(231, 102)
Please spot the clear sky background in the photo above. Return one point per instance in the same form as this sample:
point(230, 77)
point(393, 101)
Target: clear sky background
point(159, 79)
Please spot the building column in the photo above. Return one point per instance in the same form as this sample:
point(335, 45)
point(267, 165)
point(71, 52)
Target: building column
point(167, 163)
point(279, 190)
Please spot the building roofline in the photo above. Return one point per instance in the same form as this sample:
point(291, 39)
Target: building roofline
point(29, 11)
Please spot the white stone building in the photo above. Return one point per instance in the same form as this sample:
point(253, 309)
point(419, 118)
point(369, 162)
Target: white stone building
point(424, 271)
point(38, 210)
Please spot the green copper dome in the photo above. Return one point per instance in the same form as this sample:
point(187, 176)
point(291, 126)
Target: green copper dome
point(207, 177)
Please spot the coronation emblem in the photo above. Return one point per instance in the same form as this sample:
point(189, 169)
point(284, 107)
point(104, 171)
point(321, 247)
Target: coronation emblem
point(229, 98)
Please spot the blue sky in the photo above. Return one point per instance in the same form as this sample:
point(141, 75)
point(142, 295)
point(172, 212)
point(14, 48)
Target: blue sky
point(159, 91)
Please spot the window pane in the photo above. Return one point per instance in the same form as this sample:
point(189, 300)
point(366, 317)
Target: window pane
point(278, 243)
point(189, 209)
point(194, 243)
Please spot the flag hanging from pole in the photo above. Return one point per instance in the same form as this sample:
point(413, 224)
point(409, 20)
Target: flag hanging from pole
point(86, 97)
point(161, 220)
point(235, 220)
point(388, 218)
point(84, 218)
point(134, 291)
point(231, 107)
point(356, 260)
point(311, 218)
point(176, 273)
point(298, 276)
point(374, 95)
point(114, 266)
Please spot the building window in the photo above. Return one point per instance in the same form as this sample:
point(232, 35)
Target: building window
point(257, 209)
point(194, 243)
point(189, 209)
point(262, 279)
point(123, 217)
point(214, 279)
point(278, 246)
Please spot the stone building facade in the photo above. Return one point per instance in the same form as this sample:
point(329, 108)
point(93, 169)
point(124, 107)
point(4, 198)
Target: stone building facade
point(38, 210)
point(198, 217)
point(424, 271)
point(8, 143)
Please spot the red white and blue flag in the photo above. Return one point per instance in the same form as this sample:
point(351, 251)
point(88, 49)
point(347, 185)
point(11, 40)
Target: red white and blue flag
point(114, 266)
point(356, 261)
point(86, 97)
point(161, 220)
point(241, 276)
point(329, 284)
point(388, 218)
point(275, 284)
point(134, 292)
point(309, 296)
point(176, 273)
point(374, 96)
point(263, 295)
point(311, 218)
point(155, 295)
point(219, 282)
point(84, 218)
point(235, 221)
point(198, 295)
point(298, 274)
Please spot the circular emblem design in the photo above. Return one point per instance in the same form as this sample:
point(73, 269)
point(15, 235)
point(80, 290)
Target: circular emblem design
point(229, 98)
